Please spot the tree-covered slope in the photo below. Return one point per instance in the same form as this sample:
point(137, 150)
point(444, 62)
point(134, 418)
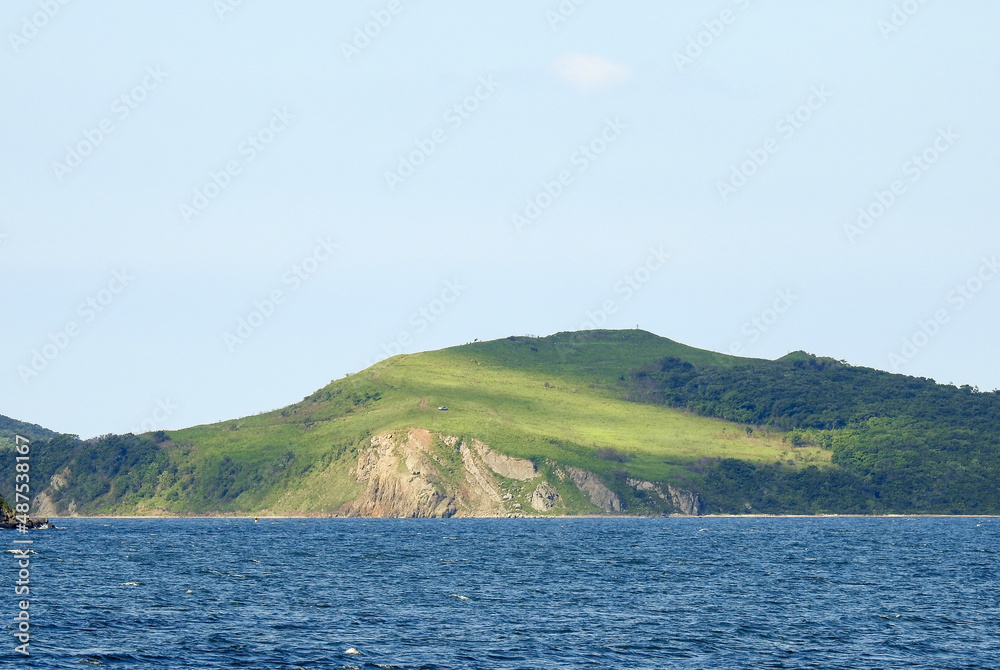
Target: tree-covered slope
point(904, 444)
point(9, 428)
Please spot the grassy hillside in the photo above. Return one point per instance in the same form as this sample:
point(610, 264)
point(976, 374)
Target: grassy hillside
point(624, 405)
point(555, 398)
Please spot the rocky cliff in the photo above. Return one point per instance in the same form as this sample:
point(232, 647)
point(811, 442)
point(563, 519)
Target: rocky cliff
point(684, 502)
point(420, 474)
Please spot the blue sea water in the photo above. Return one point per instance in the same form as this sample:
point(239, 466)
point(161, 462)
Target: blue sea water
point(514, 593)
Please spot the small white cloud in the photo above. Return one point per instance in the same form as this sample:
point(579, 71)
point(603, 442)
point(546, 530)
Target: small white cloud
point(589, 73)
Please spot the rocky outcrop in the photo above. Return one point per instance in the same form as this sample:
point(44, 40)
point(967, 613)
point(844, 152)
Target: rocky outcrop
point(479, 486)
point(44, 504)
point(684, 502)
point(9, 520)
point(418, 474)
point(398, 477)
point(544, 497)
point(505, 466)
point(595, 489)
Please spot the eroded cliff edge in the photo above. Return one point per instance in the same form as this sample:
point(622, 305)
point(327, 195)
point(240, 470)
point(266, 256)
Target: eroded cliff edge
point(418, 474)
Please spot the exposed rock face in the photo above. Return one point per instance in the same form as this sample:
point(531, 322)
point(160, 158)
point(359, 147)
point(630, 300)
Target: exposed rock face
point(640, 485)
point(595, 489)
point(43, 501)
point(44, 505)
point(480, 487)
point(684, 502)
point(505, 466)
point(413, 476)
point(398, 481)
point(420, 475)
point(544, 497)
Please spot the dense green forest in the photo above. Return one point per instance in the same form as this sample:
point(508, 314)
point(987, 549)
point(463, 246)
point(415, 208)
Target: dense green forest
point(902, 444)
point(108, 469)
point(11, 427)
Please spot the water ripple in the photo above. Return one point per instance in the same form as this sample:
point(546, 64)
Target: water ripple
point(622, 593)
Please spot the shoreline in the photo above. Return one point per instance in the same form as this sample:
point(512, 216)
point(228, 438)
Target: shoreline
point(539, 517)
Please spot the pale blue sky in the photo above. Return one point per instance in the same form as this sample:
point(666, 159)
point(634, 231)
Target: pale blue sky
point(632, 137)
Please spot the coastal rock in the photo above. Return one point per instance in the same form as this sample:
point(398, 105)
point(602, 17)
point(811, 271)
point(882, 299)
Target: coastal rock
point(641, 485)
point(420, 475)
point(479, 485)
point(8, 518)
point(506, 466)
point(398, 484)
point(684, 502)
point(43, 501)
point(595, 489)
point(544, 497)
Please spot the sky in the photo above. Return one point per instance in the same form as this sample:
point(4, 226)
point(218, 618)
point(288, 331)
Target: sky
point(212, 208)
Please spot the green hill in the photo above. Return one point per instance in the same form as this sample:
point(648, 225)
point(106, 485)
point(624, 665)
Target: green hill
point(11, 427)
point(575, 423)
